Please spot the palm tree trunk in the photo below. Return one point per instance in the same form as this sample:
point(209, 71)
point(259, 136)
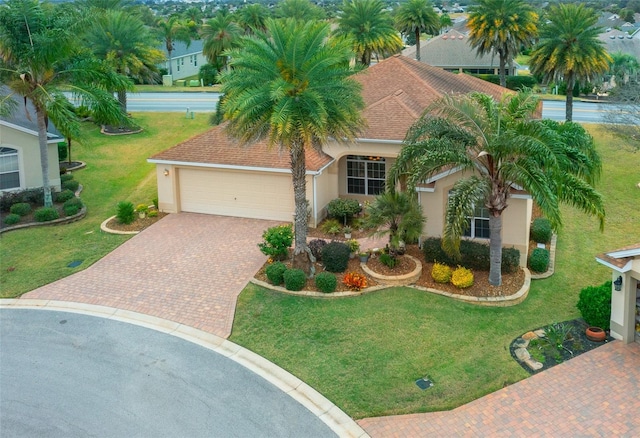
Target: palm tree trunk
point(44, 156)
point(170, 67)
point(417, 44)
point(69, 149)
point(122, 98)
point(569, 104)
point(302, 256)
point(495, 250)
point(503, 68)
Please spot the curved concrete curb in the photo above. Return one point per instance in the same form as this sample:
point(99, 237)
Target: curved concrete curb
point(103, 227)
point(310, 293)
point(552, 260)
point(311, 399)
point(396, 280)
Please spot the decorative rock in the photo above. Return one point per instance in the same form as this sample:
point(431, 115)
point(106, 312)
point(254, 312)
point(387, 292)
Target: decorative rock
point(522, 354)
point(529, 336)
point(540, 333)
point(520, 343)
point(534, 365)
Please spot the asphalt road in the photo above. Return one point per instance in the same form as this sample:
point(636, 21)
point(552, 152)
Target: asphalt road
point(583, 112)
point(70, 375)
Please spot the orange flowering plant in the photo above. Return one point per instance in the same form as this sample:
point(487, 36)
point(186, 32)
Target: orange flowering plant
point(354, 281)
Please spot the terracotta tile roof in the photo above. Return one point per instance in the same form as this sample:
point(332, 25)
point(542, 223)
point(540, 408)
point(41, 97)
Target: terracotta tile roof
point(619, 262)
point(215, 147)
point(397, 90)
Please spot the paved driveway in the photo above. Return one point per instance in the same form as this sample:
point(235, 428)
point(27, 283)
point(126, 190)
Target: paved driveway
point(188, 268)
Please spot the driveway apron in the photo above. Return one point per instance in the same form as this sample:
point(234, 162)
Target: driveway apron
point(188, 268)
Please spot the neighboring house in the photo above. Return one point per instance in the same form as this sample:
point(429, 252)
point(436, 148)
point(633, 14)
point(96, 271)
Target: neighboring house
point(20, 151)
point(619, 41)
point(211, 174)
point(452, 52)
point(625, 291)
point(185, 61)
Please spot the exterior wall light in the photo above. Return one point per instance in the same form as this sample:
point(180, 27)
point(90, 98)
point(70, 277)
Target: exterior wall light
point(166, 172)
point(618, 283)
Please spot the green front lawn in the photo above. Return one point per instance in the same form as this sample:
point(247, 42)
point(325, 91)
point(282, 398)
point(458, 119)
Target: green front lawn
point(365, 353)
point(116, 171)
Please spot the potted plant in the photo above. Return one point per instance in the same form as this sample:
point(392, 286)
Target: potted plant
point(353, 245)
point(364, 256)
point(142, 210)
point(347, 232)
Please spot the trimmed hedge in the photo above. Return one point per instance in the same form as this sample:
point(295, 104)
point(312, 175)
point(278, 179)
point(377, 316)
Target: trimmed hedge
point(12, 219)
point(539, 260)
point(294, 279)
point(326, 282)
point(513, 82)
point(66, 177)
point(441, 273)
point(275, 272)
point(64, 196)
point(335, 257)
point(541, 230)
point(343, 209)
point(474, 255)
point(594, 303)
point(72, 206)
point(71, 184)
point(21, 208)
point(462, 278)
point(31, 196)
point(46, 214)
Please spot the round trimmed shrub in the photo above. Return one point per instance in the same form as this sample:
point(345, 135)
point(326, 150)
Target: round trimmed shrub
point(539, 260)
point(316, 246)
point(46, 214)
point(343, 209)
point(462, 277)
point(594, 303)
point(326, 282)
point(12, 219)
point(335, 256)
point(541, 230)
point(125, 213)
point(71, 184)
point(21, 208)
point(64, 196)
point(66, 177)
point(294, 279)
point(72, 206)
point(441, 273)
point(275, 273)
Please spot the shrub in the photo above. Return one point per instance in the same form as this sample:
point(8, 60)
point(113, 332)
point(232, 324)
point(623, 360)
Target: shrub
point(441, 273)
point(142, 208)
point(343, 209)
point(539, 260)
point(31, 196)
point(155, 203)
point(62, 150)
point(12, 219)
point(354, 281)
point(316, 246)
point(541, 230)
point(277, 240)
point(335, 257)
point(153, 213)
point(46, 214)
point(474, 255)
point(72, 206)
point(275, 272)
point(330, 226)
point(388, 260)
point(71, 184)
point(462, 277)
point(125, 213)
point(294, 279)
point(21, 209)
point(353, 245)
point(326, 282)
point(64, 196)
point(594, 303)
point(66, 177)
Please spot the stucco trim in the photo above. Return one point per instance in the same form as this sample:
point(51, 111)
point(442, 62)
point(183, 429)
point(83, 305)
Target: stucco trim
point(233, 167)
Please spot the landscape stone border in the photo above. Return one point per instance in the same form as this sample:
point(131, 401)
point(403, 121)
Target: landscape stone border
point(106, 229)
point(396, 280)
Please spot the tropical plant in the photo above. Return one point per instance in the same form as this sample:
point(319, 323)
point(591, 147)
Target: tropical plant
point(369, 28)
point(293, 87)
point(569, 49)
point(220, 33)
point(39, 57)
point(623, 66)
point(172, 29)
point(502, 147)
point(253, 17)
point(300, 10)
point(416, 17)
point(502, 27)
point(277, 241)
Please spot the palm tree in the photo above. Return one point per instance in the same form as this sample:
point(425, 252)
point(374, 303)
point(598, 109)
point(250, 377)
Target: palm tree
point(417, 16)
point(501, 147)
point(623, 65)
point(39, 56)
point(220, 34)
point(369, 27)
point(292, 86)
point(172, 29)
point(123, 41)
point(569, 49)
point(302, 10)
point(502, 27)
point(253, 17)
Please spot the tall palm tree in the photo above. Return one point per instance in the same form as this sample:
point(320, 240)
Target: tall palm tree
point(623, 66)
point(569, 49)
point(292, 86)
point(220, 33)
point(501, 147)
point(172, 29)
point(502, 27)
point(127, 45)
point(417, 16)
point(369, 27)
point(39, 57)
point(253, 17)
point(302, 10)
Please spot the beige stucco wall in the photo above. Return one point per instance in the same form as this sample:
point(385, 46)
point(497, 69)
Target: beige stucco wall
point(326, 189)
point(623, 303)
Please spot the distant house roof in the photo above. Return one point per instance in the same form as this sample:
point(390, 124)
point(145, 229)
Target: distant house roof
point(620, 259)
point(25, 117)
point(180, 49)
point(618, 41)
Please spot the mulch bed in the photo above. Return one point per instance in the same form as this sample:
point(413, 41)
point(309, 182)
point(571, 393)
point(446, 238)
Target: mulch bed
point(138, 224)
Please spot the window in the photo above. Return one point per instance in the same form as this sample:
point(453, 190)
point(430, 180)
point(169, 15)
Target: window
point(9, 169)
point(365, 175)
point(195, 60)
point(479, 223)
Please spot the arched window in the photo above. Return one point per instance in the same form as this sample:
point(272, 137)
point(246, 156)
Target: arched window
point(9, 169)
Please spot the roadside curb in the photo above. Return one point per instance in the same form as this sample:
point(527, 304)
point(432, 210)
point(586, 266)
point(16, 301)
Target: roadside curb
point(316, 403)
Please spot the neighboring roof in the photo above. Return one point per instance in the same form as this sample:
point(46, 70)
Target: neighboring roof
point(214, 147)
point(397, 90)
point(25, 118)
point(620, 259)
point(618, 41)
point(180, 49)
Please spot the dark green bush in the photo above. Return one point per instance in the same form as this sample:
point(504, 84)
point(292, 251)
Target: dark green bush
point(21, 208)
point(71, 184)
point(12, 219)
point(64, 196)
point(66, 177)
point(31, 196)
point(513, 82)
point(335, 256)
point(62, 150)
point(125, 213)
point(343, 209)
point(277, 241)
point(541, 230)
point(474, 255)
point(294, 279)
point(388, 260)
point(155, 203)
point(326, 282)
point(275, 272)
point(316, 246)
point(72, 206)
point(46, 214)
point(594, 304)
point(539, 260)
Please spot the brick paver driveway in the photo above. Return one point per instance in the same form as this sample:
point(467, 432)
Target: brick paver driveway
point(188, 268)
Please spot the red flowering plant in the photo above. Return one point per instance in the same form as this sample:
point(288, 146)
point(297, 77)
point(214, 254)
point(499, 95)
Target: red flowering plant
point(354, 281)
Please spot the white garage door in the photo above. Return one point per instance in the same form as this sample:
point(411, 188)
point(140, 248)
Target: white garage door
point(235, 193)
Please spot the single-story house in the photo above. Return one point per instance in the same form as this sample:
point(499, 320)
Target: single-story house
point(20, 166)
point(625, 291)
point(618, 41)
point(212, 174)
point(185, 61)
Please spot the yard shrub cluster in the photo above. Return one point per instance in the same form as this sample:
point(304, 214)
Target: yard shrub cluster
point(539, 260)
point(354, 281)
point(594, 303)
point(294, 279)
point(277, 241)
point(64, 195)
point(12, 219)
point(474, 255)
point(31, 196)
point(46, 214)
point(326, 282)
point(72, 206)
point(462, 277)
point(21, 208)
point(335, 257)
point(71, 184)
point(343, 209)
point(316, 246)
point(125, 213)
point(66, 177)
point(541, 230)
point(441, 273)
point(275, 272)
point(62, 150)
